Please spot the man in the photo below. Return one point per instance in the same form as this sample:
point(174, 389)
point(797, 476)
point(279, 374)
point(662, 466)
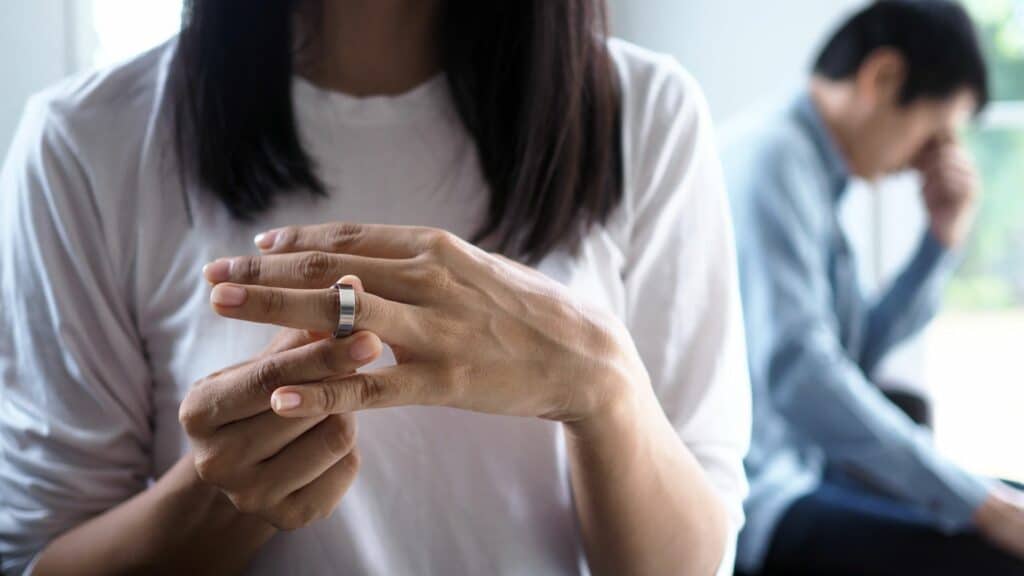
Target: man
point(842, 481)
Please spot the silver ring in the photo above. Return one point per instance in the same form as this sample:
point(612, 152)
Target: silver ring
point(346, 309)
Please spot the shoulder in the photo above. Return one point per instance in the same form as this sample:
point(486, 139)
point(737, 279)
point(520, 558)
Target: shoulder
point(667, 132)
point(654, 85)
point(78, 159)
point(104, 118)
point(772, 166)
point(656, 92)
point(765, 141)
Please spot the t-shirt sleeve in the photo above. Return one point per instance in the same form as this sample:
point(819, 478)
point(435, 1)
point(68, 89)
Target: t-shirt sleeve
point(683, 304)
point(75, 405)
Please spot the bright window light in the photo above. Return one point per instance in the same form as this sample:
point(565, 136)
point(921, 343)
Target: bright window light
point(973, 349)
point(124, 28)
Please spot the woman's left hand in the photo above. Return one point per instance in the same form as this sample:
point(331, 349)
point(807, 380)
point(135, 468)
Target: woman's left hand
point(469, 329)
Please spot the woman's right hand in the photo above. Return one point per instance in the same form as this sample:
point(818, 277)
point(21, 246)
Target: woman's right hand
point(288, 471)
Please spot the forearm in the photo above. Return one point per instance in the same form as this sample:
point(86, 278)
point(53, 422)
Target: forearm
point(826, 397)
point(909, 303)
point(644, 503)
point(178, 525)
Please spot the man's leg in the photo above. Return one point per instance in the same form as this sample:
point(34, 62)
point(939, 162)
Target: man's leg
point(839, 530)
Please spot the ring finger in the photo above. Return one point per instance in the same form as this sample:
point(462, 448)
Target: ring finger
point(315, 310)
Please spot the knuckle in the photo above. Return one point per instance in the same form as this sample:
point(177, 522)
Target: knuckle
point(189, 416)
point(339, 435)
point(273, 302)
point(297, 515)
point(210, 467)
point(285, 238)
point(314, 266)
point(248, 501)
point(248, 267)
point(342, 236)
point(354, 459)
point(368, 390)
point(265, 376)
point(328, 396)
point(442, 240)
point(308, 513)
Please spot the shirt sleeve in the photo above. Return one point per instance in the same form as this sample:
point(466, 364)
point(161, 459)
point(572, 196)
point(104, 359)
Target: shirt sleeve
point(821, 391)
point(683, 305)
point(910, 302)
point(75, 405)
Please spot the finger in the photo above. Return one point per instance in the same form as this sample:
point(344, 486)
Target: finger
point(263, 436)
point(373, 240)
point(319, 498)
point(402, 385)
point(388, 278)
point(354, 281)
point(309, 456)
point(246, 391)
point(315, 310)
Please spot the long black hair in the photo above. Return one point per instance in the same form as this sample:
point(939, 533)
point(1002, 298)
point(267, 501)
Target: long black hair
point(532, 81)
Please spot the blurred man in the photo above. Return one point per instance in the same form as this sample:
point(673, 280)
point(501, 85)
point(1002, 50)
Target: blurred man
point(842, 481)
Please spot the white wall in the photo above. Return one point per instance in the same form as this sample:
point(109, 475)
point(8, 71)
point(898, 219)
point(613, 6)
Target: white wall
point(739, 50)
point(34, 53)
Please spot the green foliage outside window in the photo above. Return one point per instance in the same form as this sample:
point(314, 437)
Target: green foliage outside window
point(992, 273)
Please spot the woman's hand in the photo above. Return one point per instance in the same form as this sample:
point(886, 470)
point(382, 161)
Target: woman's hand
point(288, 471)
point(469, 329)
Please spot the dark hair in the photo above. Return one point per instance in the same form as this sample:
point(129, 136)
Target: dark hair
point(532, 81)
point(935, 37)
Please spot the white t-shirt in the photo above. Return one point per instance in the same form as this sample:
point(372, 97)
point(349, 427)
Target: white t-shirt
point(106, 322)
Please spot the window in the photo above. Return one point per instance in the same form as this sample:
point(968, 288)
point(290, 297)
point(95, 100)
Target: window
point(114, 30)
point(974, 347)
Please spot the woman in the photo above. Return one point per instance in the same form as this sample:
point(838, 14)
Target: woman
point(589, 411)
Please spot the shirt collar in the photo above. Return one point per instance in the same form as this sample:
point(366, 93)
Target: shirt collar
point(810, 119)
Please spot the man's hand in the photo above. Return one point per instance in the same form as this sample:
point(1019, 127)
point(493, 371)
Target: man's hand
point(950, 191)
point(1001, 519)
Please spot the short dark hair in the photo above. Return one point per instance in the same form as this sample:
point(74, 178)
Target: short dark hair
point(936, 37)
point(532, 80)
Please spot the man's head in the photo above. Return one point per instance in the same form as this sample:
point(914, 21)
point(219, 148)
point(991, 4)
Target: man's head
point(898, 77)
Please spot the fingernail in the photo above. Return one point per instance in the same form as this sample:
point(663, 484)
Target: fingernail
point(265, 240)
point(227, 295)
point(285, 401)
point(218, 271)
point(363, 348)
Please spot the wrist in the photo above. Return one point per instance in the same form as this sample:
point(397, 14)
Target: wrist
point(627, 400)
point(206, 503)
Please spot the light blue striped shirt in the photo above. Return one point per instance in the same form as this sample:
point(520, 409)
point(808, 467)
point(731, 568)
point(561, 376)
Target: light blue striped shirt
point(814, 340)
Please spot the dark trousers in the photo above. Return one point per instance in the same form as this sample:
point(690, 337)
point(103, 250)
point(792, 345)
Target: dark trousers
point(844, 528)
